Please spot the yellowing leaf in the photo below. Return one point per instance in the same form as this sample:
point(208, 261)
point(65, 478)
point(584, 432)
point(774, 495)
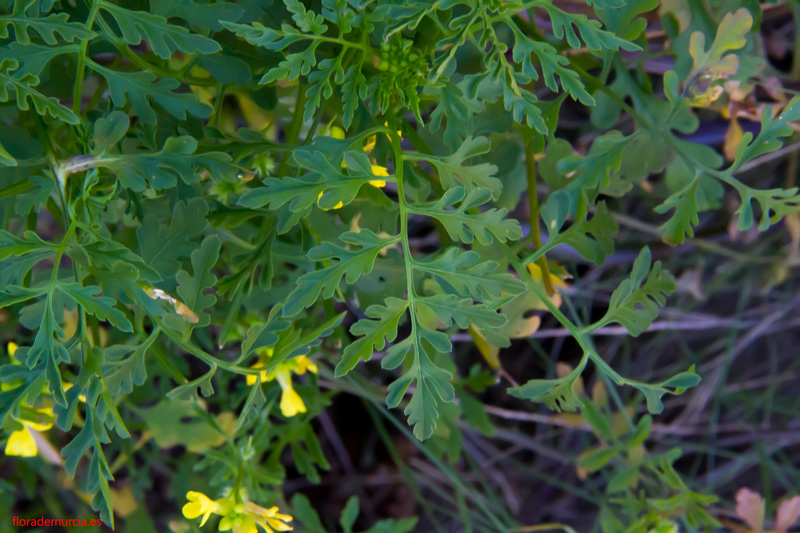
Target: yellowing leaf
point(732, 139)
point(489, 352)
point(713, 64)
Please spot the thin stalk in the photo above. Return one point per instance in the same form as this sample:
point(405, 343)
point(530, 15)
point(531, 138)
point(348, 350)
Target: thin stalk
point(293, 131)
point(534, 208)
point(77, 89)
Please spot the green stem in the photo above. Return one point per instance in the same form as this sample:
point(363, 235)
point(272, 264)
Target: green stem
point(293, 131)
point(77, 89)
point(534, 208)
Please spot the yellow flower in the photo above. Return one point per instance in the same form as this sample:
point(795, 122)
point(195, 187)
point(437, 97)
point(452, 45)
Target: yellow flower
point(379, 171)
point(536, 274)
point(304, 363)
point(12, 347)
point(291, 402)
point(239, 516)
point(200, 504)
point(269, 519)
point(22, 443)
point(372, 139)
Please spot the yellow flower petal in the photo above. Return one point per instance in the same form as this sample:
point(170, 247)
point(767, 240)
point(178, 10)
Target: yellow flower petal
point(22, 444)
point(378, 170)
point(291, 402)
point(277, 525)
point(303, 364)
point(370, 146)
point(199, 504)
point(12, 347)
point(251, 378)
point(269, 519)
point(536, 274)
point(192, 510)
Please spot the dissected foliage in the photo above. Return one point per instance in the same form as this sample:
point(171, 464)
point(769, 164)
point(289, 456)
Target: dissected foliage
point(204, 199)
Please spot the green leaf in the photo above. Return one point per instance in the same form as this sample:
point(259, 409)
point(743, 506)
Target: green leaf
point(23, 89)
point(463, 270)
point(300, 194)
point(255, 401)
point(141, 87)
point(602, 227)
point(33, 58)
point(432, 383)
point(558, 394)
point(14, 294)
point(623, 20)
point(47, 347)
point(11, 245)
point(463, 225)
point(455, 109)
point(593, 170)
point(590, 30)
point(159, 170)
point(454, 171)
point(91, 300)
point(773, 129)
point(47, 28)
point(6, 159)
point(634, 304)
point(36, 197)
point(523, 104)
point(474, 413)
point(109, 130)
point(685, 215)
point(775, 204)
point(376, 333)
point(192, 289)
point(296, 64)
point(622, 479)
point(404, 525)
point(354, 91)
point(188, 391)
point(165, 39)
point(350, 265)
point(263, 335)
point(349, 514)
point(552, 64)
point(122, 373)
point(597, 459)
point(178, 422)
point(449, 308)
point(207, 16)
point(162, 249)
point(674, 385)
point(303, 511)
